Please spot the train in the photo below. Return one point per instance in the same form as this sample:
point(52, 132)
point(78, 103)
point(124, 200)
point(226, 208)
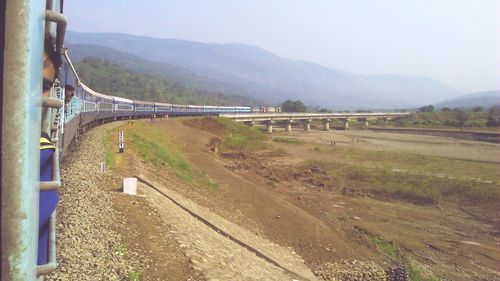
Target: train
point(26, 113)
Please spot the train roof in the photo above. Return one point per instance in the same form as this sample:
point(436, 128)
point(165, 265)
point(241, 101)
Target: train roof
point(122, 99)
point(162, 104)
point(89, 90)
point(66, 55)
point(143, 102)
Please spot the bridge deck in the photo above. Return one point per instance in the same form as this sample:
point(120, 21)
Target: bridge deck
point(312, 116)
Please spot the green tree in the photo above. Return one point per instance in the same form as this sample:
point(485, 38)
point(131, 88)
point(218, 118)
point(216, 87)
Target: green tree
point(461, 118)
point(426, 108)
point(293, 106)
point(493, 116)
point(478, 109)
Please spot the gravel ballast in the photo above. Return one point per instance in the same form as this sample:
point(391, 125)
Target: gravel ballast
point(88, 246)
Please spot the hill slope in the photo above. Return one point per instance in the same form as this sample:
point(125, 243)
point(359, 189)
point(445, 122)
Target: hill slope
point(486, 99)
point(140, 65)
point(266, 76)
point(109, 78)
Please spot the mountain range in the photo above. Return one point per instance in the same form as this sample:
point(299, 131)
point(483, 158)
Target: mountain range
point(238, 69)
point(484, 99)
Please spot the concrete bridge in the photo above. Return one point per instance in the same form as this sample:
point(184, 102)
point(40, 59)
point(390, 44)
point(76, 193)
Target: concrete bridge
point(288, 119)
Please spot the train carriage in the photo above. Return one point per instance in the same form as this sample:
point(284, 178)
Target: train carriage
point(123, 108)
point(210, 110)
point(88, 104)
point(103, 104)
point(162, 109)
point(195, 109)
point(143, 109)
point(179, 110)
point(73, 107)
point(243, 109)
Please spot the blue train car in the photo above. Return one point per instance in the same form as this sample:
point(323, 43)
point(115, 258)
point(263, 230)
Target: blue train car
point(162, 109)
point(123, 108)
point(143, 109)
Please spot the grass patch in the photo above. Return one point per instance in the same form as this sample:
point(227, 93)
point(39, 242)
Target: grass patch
point(238, 136)
point(155, 153)
point(417, 275)
point(415, 188)
point(134, 276)
point(109, 155)
point(154, 146)
point(344, 217)
point(415, 162)
point(119, 250)
point(417, 271)
point(288, 140)
point(273, 184)
point(386, 247)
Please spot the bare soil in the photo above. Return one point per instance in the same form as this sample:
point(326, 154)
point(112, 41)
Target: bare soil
point(270, 193)
point(324, 223)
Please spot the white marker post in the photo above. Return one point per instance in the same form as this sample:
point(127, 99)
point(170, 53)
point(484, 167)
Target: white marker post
point(130, 186)
point(121, 141)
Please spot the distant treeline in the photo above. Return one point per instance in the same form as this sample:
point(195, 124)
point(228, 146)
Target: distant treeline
point(111, 79)
point(477, 117)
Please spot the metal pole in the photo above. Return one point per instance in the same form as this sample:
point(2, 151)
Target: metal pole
point(23, 24)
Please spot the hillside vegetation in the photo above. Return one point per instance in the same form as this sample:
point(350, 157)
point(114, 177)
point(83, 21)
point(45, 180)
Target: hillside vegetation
point(112, 79)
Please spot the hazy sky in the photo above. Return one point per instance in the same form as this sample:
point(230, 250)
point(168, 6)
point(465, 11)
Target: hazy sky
point(454, 41)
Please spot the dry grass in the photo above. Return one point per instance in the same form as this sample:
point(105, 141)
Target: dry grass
point(415, 188)
point(154, 146)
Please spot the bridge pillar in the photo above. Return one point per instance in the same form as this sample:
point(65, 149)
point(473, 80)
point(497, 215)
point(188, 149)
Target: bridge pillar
point(250, 123)
point(346, 124)
point(307, 125)
point(366, 123)
point(269, 126)
point(288, 125)
point(326, 124)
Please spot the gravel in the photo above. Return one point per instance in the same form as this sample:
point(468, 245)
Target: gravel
point(88, 246)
